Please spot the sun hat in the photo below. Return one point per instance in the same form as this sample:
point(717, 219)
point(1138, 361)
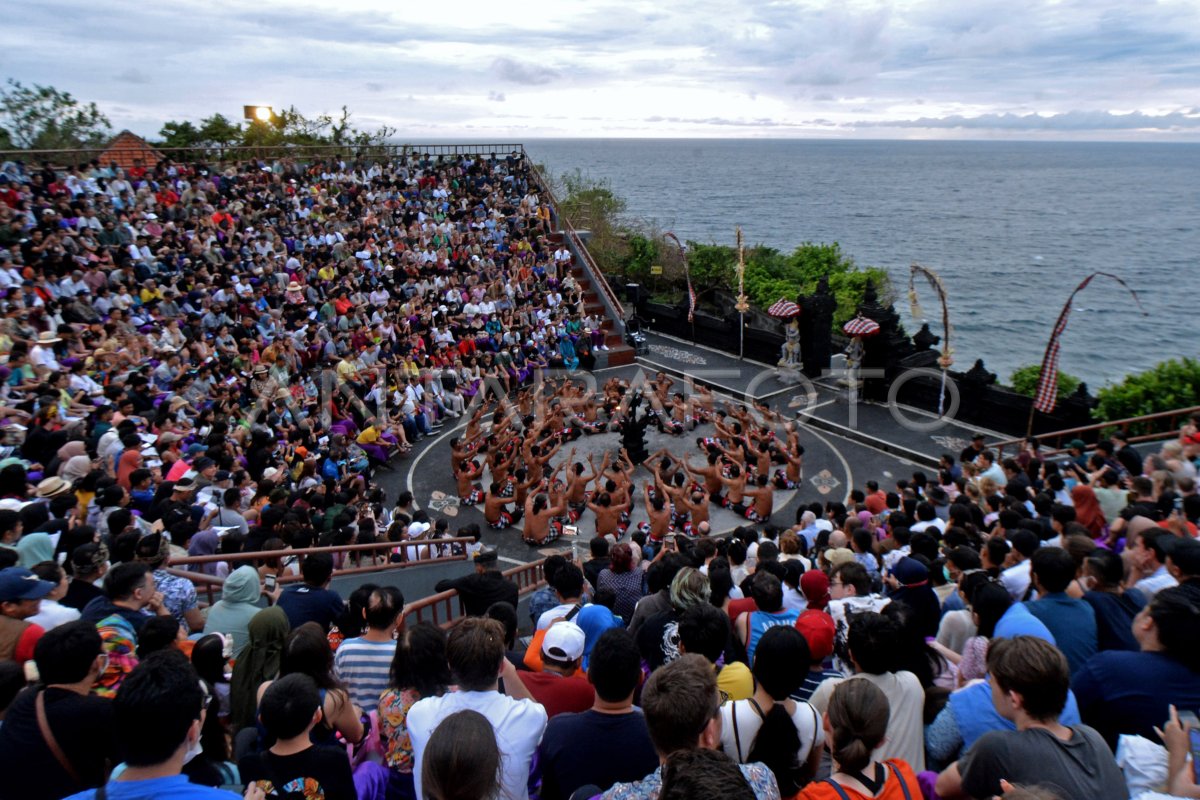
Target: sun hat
point(47, 337)
point(293, 286)
point(53, 487)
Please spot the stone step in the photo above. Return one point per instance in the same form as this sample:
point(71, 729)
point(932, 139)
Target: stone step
point(615, 356)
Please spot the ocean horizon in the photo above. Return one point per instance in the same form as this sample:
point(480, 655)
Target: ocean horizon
point(1011, 226)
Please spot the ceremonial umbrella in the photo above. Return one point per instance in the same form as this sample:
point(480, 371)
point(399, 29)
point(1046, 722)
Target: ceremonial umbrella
point(784, 308)
point(861, 327)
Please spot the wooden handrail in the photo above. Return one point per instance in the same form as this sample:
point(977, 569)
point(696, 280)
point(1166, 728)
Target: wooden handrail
point(260, 555)
point(1121, 424)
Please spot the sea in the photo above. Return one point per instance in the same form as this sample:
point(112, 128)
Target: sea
point(1011, 228)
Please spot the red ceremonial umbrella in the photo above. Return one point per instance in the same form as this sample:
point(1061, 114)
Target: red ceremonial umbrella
point(861, 326)
point(784, 308)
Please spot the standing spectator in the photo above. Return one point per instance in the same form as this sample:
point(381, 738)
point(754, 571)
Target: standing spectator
point(312, 600)
point(475, 652)
point(363, 663)
point(486, 585)
point(69, 660)
point(607, 743)
point(1030, 679)
point(159, 713)
point(683, 712)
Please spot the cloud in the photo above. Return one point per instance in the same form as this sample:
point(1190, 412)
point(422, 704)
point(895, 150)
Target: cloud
point(1067, 121)
point(514, 71)
point(496, 97)
point(374, 86)
point(132, 75)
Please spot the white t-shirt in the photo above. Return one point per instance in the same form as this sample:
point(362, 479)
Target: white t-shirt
point(806, 719)
point(52, 614)
point(1016, 580)
point(518, 725)
point(906, 729)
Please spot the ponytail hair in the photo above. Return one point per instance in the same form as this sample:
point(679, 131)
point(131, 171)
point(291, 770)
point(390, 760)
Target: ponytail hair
point(858, 716)
point(777, 743)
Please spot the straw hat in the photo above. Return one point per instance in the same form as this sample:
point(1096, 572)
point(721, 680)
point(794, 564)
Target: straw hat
point(293, 286)
point(47, 337)
point(53, 487)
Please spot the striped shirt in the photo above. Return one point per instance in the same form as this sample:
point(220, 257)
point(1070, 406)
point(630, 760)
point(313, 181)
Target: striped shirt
point(363, 666)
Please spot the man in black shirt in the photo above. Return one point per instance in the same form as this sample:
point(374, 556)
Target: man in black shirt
point(972, 451)
point(69, 660)
point(483, 587)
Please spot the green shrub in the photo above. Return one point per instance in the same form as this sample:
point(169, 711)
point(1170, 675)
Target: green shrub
point(1166, 386)
point(1024, 380)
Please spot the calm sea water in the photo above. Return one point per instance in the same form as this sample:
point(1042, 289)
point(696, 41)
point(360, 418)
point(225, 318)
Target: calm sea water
point(1011, 227)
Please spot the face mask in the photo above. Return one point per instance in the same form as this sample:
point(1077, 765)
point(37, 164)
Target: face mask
point(194, 749)
point(946, 574)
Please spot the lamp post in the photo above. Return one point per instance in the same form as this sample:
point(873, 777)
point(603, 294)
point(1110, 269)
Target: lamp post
point(741, 306)
point(258, 113)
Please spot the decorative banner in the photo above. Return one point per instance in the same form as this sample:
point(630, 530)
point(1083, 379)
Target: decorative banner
point(784, 308)
point(1046, 397)
point(861, 327)
point(686, 274)
point(946, 359)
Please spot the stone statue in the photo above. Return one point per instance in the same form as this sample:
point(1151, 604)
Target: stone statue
point(789, 354)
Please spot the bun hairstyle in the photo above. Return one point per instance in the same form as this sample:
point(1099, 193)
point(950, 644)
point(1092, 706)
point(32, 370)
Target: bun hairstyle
point(858, 716)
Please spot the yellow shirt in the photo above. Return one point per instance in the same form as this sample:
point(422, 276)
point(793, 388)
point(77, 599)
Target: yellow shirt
point(368, 435)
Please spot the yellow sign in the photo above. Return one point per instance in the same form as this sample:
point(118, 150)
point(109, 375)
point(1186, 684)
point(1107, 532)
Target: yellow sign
point(656, 269)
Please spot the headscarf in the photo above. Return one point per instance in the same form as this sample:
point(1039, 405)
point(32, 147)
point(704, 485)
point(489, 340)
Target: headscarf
point(1087, 510)
point(75, 468)
point(34, 548)
point(70, 450)
point(130, 460)
point(257, 664)
point(916, 592)
point(204, 543)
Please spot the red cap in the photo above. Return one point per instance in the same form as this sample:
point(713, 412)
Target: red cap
point(818, 629)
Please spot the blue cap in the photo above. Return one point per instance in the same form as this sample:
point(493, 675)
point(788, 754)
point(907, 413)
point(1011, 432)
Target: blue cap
point(18, 583)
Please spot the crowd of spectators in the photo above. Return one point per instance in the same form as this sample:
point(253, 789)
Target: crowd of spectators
point(1021, 626)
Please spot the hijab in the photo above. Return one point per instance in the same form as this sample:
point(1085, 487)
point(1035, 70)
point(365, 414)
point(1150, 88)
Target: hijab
point(1087, 510)
point(204, 543)
point(130, 460)
point(257, 663)
point(916, 592)
point(75, 468)
point(71, 450)
point(34, 548)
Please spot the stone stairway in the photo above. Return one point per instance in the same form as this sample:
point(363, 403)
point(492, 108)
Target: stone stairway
point(618, 353)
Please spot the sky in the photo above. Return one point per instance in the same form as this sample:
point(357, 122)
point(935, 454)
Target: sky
point(1028, 69)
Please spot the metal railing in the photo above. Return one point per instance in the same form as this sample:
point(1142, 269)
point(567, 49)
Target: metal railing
point(1169, 429)
point(210, 585)
point(229, 152)
point(445, 609)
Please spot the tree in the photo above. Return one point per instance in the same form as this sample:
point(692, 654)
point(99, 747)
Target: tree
point(1024, 380)
point(40, 117)
point(180, 134)
point(217, 130)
